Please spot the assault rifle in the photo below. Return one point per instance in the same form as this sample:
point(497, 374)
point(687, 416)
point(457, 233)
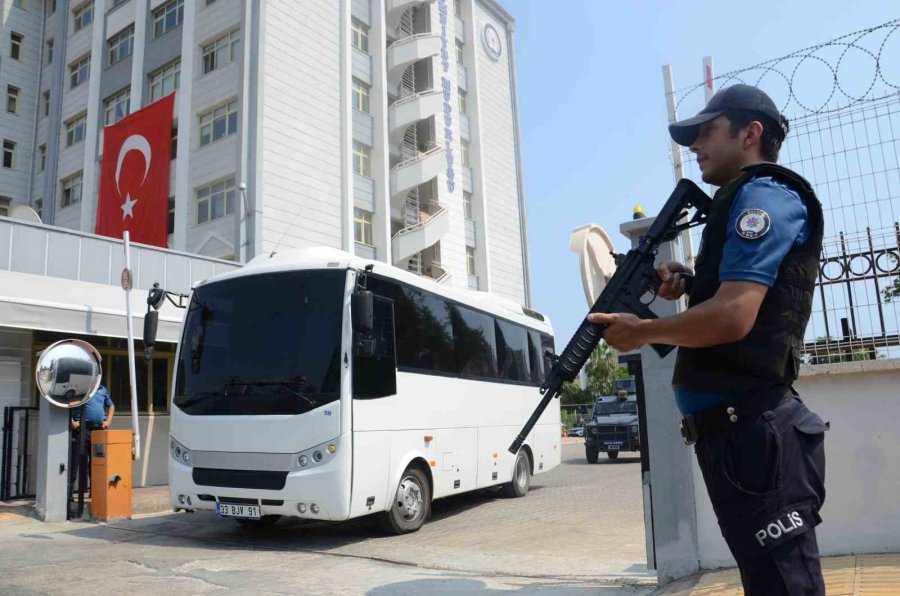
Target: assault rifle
point(631, 289)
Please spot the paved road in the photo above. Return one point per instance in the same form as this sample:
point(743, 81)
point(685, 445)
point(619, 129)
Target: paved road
point(580, 531)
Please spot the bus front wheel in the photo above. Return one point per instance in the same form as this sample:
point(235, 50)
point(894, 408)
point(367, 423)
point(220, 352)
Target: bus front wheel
point(411, 505)
point(521, 481)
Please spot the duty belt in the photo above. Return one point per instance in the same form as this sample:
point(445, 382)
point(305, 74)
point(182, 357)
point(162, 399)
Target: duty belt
point(732, 412)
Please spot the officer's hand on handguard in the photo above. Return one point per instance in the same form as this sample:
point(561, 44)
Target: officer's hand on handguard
point(625, 331)
point(673, 285)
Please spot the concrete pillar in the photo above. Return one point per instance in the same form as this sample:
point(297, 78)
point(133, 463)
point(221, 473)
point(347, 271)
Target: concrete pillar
point(52, 462)
point(668, 486)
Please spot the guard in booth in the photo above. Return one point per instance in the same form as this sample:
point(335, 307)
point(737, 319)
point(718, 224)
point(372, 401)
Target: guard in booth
point(761, 450)
point(98, 415)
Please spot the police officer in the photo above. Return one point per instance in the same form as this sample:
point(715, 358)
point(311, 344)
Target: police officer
point(759, 448)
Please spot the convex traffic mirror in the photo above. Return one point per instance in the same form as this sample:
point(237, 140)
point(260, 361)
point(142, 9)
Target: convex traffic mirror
point(68, 373)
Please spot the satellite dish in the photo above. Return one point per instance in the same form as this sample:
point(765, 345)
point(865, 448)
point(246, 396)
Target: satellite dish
point(594, 248)
point(25, 213)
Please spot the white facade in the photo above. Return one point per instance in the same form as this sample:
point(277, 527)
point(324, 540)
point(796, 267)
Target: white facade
point(382, 127)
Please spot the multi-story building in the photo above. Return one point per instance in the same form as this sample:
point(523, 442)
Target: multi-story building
point(384, 127)
point(387, 128)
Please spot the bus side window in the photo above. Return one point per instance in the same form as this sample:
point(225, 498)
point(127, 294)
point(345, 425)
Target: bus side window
point(547, 345)
point(535, 356)
point(377, 376)
point(476, 343)
point(512, 352)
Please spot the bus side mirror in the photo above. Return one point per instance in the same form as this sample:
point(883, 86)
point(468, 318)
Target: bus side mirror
point(362, 305)
point(151, 321)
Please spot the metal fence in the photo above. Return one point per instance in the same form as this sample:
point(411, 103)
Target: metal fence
point(843, 101)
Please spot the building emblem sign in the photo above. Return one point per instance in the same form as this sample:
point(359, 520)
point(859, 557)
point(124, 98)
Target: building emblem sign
point(492, 44)
point(447, 90)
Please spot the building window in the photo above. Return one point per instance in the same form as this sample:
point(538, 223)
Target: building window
point(15, 45)
point(215, 200)
point(360, 96)
point(42, 157)
point(221, 52)
point(470, 260)
point(75, 129)
point(51, 6)
point(359, 35)
point(4, 206)
point(9, 154)
point(116, 4)
point(39, 207)
point(362, 159)
point(218, 123)
point(464, 152)
point(79, 71)
point(121, 45)
point(117, 107)
point(12, 99)
point(49, 51)
point(459, 52)
point(71, 191)
point(83, 15)
point(362, 227)
point(467, 205)
point(170, 224)
point(462, 100)
point(45, 103)
point(167, 17)
point(173, 149)
point(165, 80)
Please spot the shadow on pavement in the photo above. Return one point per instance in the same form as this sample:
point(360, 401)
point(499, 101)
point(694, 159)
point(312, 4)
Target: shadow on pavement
point(636, 459)
point(292, 534)
point(465, 586)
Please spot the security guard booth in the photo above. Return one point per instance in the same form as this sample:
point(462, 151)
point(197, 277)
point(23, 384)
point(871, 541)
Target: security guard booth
point(111, 474)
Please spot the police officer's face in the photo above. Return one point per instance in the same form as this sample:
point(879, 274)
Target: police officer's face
point(719, 155)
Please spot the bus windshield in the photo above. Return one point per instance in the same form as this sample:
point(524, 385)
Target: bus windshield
point(615, 407)
point(262, 344)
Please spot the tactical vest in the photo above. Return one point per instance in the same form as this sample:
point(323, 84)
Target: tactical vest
point(770, 354)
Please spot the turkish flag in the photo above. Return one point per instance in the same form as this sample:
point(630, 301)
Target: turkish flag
point(134, 176)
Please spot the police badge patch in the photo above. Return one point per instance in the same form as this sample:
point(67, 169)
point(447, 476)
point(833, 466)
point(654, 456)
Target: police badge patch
point(753, 224)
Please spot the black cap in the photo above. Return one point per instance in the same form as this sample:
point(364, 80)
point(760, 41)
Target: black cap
point(736, 97)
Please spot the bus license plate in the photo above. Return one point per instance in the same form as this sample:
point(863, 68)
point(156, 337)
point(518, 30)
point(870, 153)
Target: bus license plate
point(232, 510)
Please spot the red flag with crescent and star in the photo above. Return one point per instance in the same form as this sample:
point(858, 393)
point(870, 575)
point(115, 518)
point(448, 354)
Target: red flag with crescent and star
point(134, 176)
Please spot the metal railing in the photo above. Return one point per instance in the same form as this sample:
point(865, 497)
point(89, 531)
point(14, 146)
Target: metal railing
point(16, 431)
point(412, 98)
point(422, 155)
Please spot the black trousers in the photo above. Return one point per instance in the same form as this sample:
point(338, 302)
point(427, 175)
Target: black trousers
point(766, 480)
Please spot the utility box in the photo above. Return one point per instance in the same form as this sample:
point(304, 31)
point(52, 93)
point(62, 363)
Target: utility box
point(111, 474)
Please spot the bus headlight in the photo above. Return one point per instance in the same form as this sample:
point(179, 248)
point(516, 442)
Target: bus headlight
point(179, 452)
point(317, 455)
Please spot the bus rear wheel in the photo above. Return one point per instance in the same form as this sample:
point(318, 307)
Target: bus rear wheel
point(521, 481)
point(411, 505)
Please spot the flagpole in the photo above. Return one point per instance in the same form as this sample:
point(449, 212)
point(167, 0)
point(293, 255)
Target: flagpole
point(127, 282)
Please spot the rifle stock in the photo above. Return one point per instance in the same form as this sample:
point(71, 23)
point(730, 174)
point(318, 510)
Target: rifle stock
point(635, 276)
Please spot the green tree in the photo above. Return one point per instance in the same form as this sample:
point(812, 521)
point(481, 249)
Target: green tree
point(603, 369)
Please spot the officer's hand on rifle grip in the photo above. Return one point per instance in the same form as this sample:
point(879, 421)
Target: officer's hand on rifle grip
point(673, 285)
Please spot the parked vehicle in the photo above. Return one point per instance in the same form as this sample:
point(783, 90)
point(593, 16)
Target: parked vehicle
point(614, 423)
point(320, 385)
point(576, 431)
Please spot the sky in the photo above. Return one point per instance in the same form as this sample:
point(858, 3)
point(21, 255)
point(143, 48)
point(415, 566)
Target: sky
point(593, 112)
